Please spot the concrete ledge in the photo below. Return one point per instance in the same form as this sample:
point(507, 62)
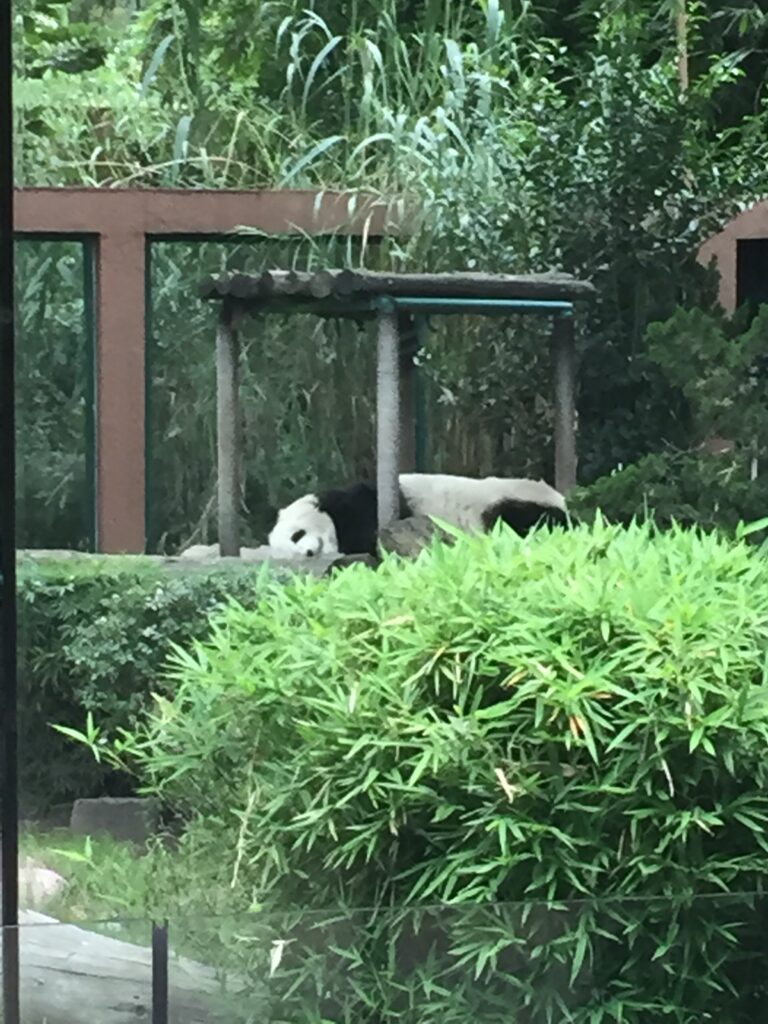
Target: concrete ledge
point(202, 558)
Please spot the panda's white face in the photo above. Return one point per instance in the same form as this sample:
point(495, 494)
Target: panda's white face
point(302, 529)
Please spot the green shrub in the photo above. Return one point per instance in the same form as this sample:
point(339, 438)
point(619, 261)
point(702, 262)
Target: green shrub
point(690, 488)
point(578, 720)
point(93, 636)
point(713, 363)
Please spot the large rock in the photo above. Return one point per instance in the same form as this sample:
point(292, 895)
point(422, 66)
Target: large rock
point(409, 536)
point(70, 975)
point(206, 556)
point(344, 561)
point(128, 819)
point(38, 885)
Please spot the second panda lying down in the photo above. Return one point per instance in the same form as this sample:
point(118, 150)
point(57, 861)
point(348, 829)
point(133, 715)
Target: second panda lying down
point(344, 521)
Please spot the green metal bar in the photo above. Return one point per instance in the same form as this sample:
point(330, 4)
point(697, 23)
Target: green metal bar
point(488, 306)
point(421, 426)
point(89, 253)
point(366, 308)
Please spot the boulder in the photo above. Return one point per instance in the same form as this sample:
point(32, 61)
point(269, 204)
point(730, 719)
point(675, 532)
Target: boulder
point(344, 561)
point(38, 885)
point(70, 975)
point(409, 536)
point(126, 819)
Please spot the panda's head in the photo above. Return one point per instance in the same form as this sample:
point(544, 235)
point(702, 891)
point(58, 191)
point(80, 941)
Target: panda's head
point(302, 528)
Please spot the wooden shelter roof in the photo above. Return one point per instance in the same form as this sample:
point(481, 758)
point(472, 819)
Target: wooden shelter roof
point(360, 292)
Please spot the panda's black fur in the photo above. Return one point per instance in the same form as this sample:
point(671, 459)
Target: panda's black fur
point(354, 511)
point(355, 516)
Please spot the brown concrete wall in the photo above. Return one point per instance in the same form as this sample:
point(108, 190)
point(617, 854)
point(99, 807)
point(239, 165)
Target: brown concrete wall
point(200, 211)
point(123, 219)
point(120, 394)
point(752, 223)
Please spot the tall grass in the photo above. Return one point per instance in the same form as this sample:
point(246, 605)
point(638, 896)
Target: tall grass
point(354, 94)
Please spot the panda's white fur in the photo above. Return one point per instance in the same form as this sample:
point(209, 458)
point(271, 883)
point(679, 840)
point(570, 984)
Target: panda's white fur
point(464, 501)
point(345, 520)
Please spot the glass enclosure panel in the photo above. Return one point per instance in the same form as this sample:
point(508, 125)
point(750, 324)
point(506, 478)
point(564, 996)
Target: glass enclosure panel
point(54, 395)
point(55, 513)
point(591, 960)
point(513, 779)
point(604, 960)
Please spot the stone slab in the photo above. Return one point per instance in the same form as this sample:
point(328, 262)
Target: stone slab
point(126, 819)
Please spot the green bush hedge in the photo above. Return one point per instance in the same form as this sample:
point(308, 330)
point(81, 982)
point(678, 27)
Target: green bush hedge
point(579, 720)
point(688, 487)
point(93, 636)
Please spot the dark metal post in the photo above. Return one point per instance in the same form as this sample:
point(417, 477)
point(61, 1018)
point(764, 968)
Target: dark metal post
point(388, 417)
point(9, 818)
point(564, 357)
point(160, 1000)
point(228, 432)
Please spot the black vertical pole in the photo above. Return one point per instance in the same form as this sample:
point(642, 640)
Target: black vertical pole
point(160, 1006)
point(9, 818)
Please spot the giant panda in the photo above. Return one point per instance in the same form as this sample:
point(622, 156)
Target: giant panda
point(344, 521)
